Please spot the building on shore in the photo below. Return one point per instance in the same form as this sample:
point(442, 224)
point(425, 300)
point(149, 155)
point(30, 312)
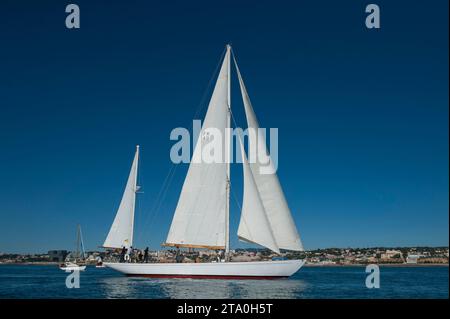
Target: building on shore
point(388, 254)
point(412, 258)
point(57, 255)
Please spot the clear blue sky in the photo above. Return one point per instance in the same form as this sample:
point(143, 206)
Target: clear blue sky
point(362, 114)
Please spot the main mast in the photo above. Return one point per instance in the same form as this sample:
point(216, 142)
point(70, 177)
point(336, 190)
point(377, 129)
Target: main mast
point(228, 153)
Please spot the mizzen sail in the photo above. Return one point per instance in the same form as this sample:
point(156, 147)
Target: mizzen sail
point(121, 232)
point(269, 188)
point(200, 219)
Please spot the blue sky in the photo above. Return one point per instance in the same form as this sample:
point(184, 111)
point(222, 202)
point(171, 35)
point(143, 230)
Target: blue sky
point(362, 114)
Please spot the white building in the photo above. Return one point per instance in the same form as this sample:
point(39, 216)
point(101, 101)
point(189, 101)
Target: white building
point(412, 259)
point(391, 254)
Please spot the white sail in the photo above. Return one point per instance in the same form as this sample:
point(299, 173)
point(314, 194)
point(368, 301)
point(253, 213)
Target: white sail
point(121, 232)
point(269, 188)
point(200, 219)
point(254, 225)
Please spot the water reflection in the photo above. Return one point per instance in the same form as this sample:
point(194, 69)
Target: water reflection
point(125, 287)
point(118, 287)
point(224, 289)
point(311, 282)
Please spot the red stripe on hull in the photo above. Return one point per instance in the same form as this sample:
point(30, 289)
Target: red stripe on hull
point(208, 276)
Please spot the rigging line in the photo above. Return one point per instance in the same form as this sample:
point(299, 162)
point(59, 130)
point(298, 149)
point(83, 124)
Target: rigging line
point(238, 70)
point(208, 87)
point(166, 190)
point(158, 197)
point(242, 218)
point(139, 213)
point(233, 194)
point(163, 196)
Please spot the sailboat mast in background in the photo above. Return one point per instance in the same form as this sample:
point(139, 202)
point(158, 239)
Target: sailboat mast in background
point(80, 244)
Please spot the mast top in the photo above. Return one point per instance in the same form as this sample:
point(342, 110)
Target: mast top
point(228, 46)
point(137, 147)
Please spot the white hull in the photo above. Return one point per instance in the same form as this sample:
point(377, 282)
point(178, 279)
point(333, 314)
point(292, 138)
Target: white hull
point(72, 268)
point(222, 270)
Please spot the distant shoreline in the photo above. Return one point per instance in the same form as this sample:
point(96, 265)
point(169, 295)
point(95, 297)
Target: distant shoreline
point(32, 264)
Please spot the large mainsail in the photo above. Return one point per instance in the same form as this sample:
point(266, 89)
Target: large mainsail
point(121, 232)
point(269, 188)
point(254, 225)
point(200, 219)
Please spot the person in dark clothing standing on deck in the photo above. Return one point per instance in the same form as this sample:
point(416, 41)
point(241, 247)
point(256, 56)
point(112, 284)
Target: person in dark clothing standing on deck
point(179, 257)
point(146, 255)
point(122, 254)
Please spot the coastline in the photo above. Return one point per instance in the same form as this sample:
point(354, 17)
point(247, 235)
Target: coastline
point(32, 264)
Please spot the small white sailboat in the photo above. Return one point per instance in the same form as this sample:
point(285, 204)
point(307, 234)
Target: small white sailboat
point(99, 263)
point(76, 260)
point(201, 218)
point(72, 266)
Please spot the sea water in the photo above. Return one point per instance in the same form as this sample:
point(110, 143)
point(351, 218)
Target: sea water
point(20, 281)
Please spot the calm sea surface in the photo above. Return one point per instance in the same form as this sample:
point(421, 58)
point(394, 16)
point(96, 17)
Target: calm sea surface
point(310, 282)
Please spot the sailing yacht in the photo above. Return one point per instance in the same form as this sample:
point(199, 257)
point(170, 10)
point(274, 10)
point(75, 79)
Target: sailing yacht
point(201, 218)
point(77, 260)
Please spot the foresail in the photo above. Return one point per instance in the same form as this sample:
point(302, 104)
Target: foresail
point(121, 232)
point(269, 188)
point(254, 225)
point(200, 215)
